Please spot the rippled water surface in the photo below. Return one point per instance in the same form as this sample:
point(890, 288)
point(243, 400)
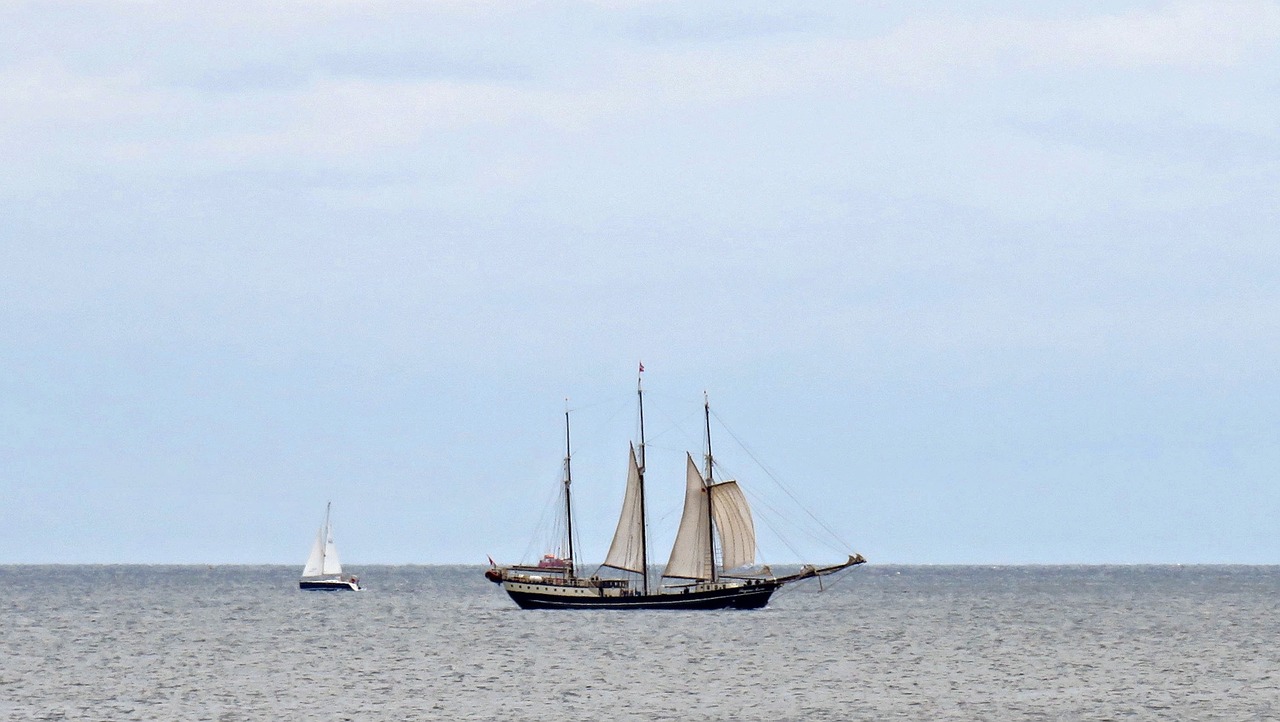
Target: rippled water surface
point(231, 643)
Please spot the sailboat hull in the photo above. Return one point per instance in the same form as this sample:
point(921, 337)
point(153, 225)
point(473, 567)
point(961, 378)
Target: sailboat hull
point(537, 596)
point(330, 585)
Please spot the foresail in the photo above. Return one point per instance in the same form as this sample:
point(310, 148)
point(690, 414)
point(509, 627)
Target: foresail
point(331, 563)
point(734, 524)
point(316, 560)
point(691, 553)
point(627, 550)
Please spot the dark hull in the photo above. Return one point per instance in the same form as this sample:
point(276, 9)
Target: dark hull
point(329, 586)
point(753, 596)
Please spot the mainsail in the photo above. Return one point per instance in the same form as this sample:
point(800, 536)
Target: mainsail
point(691, 553)
point(627, 550)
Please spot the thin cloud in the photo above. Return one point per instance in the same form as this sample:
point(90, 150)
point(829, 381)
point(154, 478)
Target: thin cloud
point(934, 49)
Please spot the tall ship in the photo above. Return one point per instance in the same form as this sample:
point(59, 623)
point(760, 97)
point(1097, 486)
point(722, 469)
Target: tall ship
point(715, 542)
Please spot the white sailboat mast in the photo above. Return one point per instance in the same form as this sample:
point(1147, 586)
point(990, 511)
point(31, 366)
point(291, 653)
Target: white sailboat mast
point(332, 565)
point(327, 536)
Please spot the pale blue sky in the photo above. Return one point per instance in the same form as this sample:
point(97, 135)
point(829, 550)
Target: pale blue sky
point(982, 282)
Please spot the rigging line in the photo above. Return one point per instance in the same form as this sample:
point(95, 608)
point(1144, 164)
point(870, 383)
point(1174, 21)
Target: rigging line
point(650, 434)
point(824, 587)
point(680, 448)
point(778, 535)
point(593, 404)
point(770, 514)
point(786, 590)
point(618, 406)
point(539, 533)
point(548, 521)
point(779, 483)
point(664, 395)
point(837, 579)
point(672, 421)
point(592, 432)
point(667, 516)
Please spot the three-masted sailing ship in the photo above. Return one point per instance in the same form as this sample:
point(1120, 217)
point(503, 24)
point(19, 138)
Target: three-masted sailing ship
point(695, 577)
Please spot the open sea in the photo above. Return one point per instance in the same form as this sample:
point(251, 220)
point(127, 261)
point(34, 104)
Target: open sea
point(441, 643)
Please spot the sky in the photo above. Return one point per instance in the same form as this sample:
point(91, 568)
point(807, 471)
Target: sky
point(978, 282)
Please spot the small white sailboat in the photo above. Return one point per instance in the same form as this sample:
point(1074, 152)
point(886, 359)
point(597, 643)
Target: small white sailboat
point(323, 570)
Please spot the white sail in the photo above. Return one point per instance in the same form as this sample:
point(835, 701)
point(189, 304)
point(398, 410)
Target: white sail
point(324, 555)
point(315, 562)
point(737, 531)
point(331, 563)
point(627, 550)
point(691, 553)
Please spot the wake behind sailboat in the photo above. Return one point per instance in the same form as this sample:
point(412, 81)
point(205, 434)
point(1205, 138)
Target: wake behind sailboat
point(323, 570)
point(713, 511)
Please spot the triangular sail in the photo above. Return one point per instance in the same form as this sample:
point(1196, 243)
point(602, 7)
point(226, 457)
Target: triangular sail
point(324, 555)
point(627, 550)
point(733, 522)
point(691, 553)
point(331, 563)
point(315, 562)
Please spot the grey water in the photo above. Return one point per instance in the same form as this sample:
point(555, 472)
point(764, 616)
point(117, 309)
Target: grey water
point(880, 642)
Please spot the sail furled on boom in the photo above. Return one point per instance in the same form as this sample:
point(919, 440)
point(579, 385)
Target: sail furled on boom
point(691, 553)
point(737, 532)
point(627, 550)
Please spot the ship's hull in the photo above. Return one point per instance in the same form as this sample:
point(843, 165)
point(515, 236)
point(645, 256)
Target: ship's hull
point(330, 585)
point(538, 596)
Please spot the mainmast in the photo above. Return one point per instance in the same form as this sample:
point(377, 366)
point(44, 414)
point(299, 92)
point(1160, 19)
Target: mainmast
point(568, 504)
point(644, 544)
point(711, 534)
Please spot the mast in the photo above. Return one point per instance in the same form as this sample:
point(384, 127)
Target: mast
point(568, 506)
point(711, 534)
point(324, 546)
point(644, 544)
